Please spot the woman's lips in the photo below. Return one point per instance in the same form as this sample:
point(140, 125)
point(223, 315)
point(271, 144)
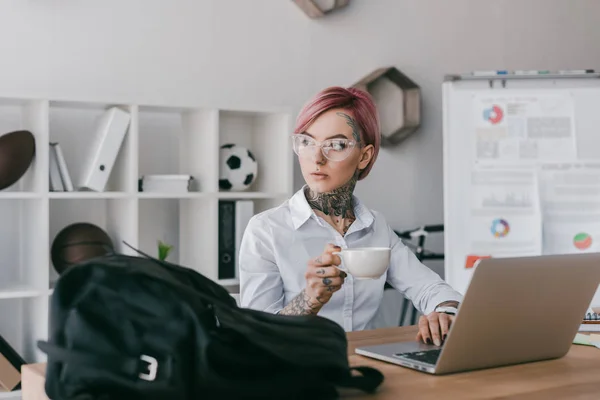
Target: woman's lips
point(319, 175)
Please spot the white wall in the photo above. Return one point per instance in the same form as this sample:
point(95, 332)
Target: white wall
point(252, 53)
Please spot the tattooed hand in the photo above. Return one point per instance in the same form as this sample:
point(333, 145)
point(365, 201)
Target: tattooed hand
point(322, 281)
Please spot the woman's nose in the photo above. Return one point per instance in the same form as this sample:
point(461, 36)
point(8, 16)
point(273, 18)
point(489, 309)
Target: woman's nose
point(318, 156)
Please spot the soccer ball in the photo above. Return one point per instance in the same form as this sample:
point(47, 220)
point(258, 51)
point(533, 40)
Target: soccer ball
point(238, 168)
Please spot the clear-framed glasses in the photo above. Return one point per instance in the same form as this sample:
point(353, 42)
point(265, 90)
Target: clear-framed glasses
point(336, 149)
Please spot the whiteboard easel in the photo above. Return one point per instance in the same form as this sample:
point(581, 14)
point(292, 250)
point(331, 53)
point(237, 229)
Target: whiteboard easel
point(462, 95)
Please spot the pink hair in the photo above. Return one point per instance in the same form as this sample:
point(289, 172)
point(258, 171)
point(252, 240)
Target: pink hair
point(359, 103)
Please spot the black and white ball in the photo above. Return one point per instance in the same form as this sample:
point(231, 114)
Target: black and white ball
point(238, 168)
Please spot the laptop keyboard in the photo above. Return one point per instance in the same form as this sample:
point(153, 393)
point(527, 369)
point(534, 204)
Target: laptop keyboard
point(427, 356)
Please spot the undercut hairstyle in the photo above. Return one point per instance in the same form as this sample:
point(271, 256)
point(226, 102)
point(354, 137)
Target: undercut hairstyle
point(358, 103)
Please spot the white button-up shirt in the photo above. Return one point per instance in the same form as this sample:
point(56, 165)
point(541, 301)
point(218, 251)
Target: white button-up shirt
point(278, 243)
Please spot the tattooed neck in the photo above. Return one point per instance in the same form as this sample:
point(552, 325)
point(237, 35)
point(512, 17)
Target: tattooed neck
point(337, 203)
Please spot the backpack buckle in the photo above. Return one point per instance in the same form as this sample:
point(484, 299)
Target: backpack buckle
point(152, 368)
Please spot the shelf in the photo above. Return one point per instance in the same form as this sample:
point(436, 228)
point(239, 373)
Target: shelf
point(20, 195)
point(14, 395)
point(73, 127)
point(116, 217)
point(228, 282)
point(89, 195)
point(190, 225)
point(22, 243)
point(140, 195)
point(181, 142)
point(218, 195)
point(28, 115)
point(17, 292)
point(24, 328)
point(231, 285)
point(159, 140)
point(248, 195)
point(160, 195)
point(266, 136)
point(398, 99)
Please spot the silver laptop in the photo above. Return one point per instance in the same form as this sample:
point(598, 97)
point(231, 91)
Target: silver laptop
point(515, 310)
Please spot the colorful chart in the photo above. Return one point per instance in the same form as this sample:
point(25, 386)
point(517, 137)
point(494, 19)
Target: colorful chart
point(500, 228)
point(494, 114)
point(582, 241)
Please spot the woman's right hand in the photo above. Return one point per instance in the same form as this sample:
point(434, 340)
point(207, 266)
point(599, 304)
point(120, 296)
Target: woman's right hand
point(323, 279)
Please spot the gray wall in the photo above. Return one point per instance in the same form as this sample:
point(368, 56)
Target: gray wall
point(242, 53)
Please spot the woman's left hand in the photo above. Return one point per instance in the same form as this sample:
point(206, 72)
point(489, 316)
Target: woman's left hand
point(433, 328)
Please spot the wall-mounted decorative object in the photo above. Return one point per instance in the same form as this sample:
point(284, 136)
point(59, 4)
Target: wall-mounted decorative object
point(17, 150)
point(237, 169)
point(79, 242)
point(318, 8)
point(398, 100)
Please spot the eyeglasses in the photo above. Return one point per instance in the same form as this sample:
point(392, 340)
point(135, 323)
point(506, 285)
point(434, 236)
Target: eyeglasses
point(337, 149)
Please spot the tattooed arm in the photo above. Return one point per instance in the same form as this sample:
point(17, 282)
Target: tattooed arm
point(302, 305)
point(322, 281)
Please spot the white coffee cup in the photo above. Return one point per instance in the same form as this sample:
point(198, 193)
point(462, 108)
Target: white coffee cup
point(365, 262)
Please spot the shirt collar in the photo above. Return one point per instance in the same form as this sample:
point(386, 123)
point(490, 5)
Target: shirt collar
point(299, 208)
point(301, 212)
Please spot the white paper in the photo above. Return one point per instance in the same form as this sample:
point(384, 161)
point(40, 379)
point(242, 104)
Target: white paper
point(571, 207)
point(529, 128)
point(505, 216)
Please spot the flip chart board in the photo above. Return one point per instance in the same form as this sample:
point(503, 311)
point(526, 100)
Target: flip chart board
point(521, 167)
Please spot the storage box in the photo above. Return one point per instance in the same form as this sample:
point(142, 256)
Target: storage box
point(10, 367)
point(165, 183)
point(33, 380)
point(9, 375)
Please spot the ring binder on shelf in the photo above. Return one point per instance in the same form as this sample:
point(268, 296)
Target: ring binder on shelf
point(110, 131)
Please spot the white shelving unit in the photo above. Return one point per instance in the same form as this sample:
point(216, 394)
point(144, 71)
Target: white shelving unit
point(160, 140)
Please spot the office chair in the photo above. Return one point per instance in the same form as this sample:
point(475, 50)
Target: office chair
point(421, 234)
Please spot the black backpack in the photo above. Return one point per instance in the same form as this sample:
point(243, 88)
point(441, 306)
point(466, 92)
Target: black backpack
point(126, 327)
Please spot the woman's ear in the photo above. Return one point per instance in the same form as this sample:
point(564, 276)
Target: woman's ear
point(365, 156)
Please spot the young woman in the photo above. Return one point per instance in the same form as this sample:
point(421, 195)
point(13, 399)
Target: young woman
point(286, 261)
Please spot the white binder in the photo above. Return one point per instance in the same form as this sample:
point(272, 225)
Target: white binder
point(110, 132)
point(62, 167)
point(56, 184)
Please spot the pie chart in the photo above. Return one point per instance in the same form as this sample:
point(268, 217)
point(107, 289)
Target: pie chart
point(494, 114)
point(582, 241)
point(500, 228)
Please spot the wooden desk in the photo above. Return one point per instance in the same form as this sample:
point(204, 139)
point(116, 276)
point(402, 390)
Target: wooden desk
point(575, 376)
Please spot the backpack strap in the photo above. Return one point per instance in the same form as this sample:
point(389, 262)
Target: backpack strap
point(368, 380)
point(129, 366)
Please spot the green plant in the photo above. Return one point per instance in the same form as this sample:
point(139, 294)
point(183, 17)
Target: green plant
point(163, 250)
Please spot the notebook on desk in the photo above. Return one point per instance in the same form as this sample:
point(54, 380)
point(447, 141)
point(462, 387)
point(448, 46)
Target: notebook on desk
point(591, 322)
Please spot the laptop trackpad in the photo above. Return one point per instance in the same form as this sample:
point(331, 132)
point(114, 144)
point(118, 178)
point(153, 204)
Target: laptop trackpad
point(410, 347)
point(391, 349)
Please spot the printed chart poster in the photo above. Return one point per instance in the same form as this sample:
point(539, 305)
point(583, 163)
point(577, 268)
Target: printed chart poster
point(571, 207)
point(526, 128)
point(505, 216)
